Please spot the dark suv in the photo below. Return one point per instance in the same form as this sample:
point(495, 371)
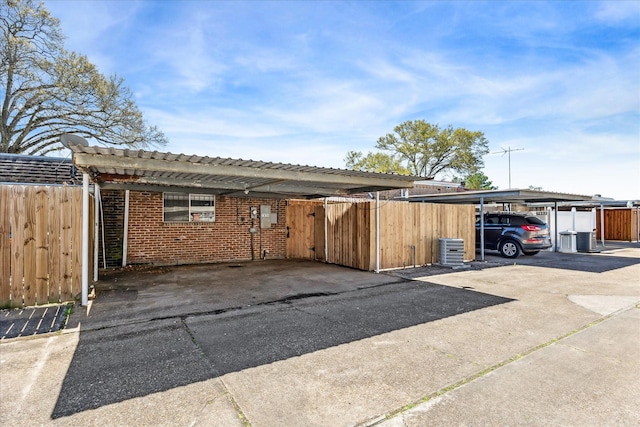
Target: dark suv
point(513, 234)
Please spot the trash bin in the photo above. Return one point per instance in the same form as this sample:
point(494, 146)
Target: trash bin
point(568, 241)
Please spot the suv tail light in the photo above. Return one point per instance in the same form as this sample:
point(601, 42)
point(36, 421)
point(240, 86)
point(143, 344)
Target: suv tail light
point(531, 227)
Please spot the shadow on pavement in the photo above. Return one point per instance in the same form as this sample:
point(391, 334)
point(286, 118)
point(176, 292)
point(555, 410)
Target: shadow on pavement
point(115, 364)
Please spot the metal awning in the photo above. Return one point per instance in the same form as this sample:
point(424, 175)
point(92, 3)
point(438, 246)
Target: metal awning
point(126, 169)
point(499, 196)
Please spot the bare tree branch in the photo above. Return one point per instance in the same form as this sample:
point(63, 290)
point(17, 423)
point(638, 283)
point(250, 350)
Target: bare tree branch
point(50, 91)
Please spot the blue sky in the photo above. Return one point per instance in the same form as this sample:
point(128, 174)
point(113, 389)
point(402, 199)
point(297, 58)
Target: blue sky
point(306, 82)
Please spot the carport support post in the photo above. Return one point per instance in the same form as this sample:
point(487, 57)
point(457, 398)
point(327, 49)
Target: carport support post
point(481, 228)
point(96, 229)
point(85, 239)
point(555, 226)
point(377, 232)
point(602, 223)
point(125, 233)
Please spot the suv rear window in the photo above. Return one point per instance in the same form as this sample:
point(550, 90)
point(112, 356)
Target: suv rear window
point(512, 220)
point(535, 220)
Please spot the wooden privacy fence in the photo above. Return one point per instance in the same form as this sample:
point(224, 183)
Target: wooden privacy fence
point(40, 244)
point(619, 224)
point(409, 232)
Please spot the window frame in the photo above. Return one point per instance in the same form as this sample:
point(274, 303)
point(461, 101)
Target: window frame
point(195, 214)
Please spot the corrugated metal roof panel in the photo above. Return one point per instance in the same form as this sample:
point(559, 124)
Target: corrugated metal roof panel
point(114, 166)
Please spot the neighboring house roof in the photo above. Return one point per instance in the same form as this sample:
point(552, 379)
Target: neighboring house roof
point(155, 171)
point(16, 168)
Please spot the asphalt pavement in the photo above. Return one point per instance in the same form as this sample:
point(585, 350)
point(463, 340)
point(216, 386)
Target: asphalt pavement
point(538, 341)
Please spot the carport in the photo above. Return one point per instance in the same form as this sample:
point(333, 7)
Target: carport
point(153, 171)
point(501, 196)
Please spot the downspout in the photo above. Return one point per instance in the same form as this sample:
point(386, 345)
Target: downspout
point(326, 232)
point(125, 232)
point(377, 232)
point(481, 228)
point(85, 239)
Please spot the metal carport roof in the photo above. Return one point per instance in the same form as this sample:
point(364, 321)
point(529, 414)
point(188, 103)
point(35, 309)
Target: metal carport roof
point(500, 196)
point(114, 168)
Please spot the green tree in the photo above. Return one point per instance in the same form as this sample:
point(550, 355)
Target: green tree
point(375, 162)
point(479, 181)
point(50, 91)
point(423, 149)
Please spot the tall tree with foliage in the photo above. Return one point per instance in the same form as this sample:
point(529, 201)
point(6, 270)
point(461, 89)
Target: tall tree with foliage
point(50, 91)
point(425, 150)
point(478, 181)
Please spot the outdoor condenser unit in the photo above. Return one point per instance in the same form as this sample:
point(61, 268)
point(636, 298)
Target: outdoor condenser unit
point(452, 252)
point(586, 241)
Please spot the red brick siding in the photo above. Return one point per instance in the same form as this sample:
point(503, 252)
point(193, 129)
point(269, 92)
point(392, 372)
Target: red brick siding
point(152, 241)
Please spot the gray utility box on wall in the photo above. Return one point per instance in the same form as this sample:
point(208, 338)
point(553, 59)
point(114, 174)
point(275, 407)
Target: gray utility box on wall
point(452, 252)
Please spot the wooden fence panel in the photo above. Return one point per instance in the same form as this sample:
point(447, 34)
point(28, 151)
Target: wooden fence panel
point(66, 238)
point(29, 250)
point(41, 237)
point(409, 232)
point(55, 241)
point(318, 227)
point(17, 246)
point(5, 244)
point(619, 224)
point(41, 242)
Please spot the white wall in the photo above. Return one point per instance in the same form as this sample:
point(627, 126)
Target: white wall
point(575, 221)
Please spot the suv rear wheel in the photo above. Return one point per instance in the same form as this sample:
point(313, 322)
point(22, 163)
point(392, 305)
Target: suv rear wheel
point(509, 249)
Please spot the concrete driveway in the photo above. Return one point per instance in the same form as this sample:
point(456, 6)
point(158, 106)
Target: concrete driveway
point(535, 342)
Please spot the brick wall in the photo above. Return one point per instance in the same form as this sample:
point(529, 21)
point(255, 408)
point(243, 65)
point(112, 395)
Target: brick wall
point(152, 241)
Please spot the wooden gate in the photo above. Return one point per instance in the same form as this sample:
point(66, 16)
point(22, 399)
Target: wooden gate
point(304, 222)
point(619, 224)
point(40, 244)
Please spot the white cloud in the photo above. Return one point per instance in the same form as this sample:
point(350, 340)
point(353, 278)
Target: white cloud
point(614, 12)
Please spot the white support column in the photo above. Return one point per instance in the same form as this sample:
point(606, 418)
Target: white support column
point(481, 228)
point(125, 233)
point(573, 218)
point(602, 223)
point(555, 226)
point(85, 239)
point(377, 232)
point(96, 229)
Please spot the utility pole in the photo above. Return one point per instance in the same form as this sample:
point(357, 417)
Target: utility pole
point(508, 150)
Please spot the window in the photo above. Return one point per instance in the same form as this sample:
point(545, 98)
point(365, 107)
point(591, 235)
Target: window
point(183, 207)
